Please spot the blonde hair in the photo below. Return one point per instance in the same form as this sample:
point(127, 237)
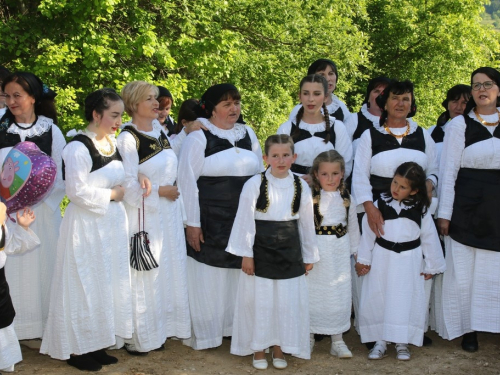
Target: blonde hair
point(330, 156)
point(135, 92)
point(278, 139)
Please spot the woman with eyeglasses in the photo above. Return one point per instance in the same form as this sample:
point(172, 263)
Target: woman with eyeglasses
point(469, 214)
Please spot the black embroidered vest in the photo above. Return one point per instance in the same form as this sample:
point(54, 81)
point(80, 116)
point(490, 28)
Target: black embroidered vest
point(148, 146)
point(263, 201)
point(304, 134)
point(386, 142)
point(438, 134)
point(338, 114)
point(43, 141)
point(98, 160)
point(363, 124)
point(216, 144)
point(475, 132)
point(389, 213)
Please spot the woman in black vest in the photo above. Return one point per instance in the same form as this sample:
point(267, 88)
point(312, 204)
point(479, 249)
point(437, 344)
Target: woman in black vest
point(214, 165)
point(159, 295)
point(90, 301)
point(31, 116)
point(469, 214)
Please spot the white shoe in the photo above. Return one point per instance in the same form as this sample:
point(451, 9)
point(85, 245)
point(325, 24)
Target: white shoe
point(279, 363)
point(259, 364)
point(403, 353)
point(340, 349)
point(378, 351)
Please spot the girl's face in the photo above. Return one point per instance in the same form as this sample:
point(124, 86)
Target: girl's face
point(164, 112)
point(485, 98)
point(457, 107)
point(331, 78)
point(280, 158)
point(401, 188)
point(312, 96)
point(111, 119)
point(398, 106)
point(329, 175)
point(148, 108)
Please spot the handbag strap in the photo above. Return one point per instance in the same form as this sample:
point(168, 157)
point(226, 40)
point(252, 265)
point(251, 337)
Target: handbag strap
point(139, 216)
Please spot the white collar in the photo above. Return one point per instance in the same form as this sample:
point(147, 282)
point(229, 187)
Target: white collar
point(374, 119)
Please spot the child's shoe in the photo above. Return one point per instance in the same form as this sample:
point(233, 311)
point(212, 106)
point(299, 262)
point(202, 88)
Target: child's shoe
point(403, 353)
point(259, 364)
point(279, 363)
point(378, 351)
point(340, 349)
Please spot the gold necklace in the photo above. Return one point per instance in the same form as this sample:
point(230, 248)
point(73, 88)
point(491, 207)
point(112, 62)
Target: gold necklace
point(484, 122)
point(111, 147)
point(398, 135)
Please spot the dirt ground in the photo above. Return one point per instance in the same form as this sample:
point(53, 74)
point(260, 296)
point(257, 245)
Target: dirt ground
point(443, 357)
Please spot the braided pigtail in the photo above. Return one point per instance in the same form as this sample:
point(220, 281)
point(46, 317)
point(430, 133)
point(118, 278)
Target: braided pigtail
point(327, 123)
point(296, 132)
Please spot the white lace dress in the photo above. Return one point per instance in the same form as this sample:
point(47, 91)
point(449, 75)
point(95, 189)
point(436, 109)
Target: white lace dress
point(30, 274)
point(393, 303)
point(159, 296)
point(272, 312)
point(17, 240)
point(330, 281)
point(212, 290)
point(90, 300)
point(308, 149)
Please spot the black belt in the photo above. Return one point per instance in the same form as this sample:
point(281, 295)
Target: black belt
point(398, 247)
point(297, 168)
point(338, 230)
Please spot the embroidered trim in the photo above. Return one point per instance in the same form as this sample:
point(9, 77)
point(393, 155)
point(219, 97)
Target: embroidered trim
point(42, 125)
point(338, 230)
point(92, 135)
point(232, 135)
point(297, 190)
point(157, 147)
point(335, 104)
point(391, 202)
point(264, 185)
point(264, 189)
point(374, 119)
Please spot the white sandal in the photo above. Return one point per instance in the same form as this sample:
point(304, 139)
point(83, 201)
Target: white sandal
point(378, 351)
point(403, 353)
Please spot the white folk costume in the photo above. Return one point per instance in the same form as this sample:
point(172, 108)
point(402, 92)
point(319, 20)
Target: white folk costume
point(30, 274)
point(13, 239)
point(311, 142)
point(329, 282)
point(336, 108)
point(469, 185)
point(361, 121)
point(214, 165)
point(393, 303)
point(90, 300)
point(274, 225)
point(160, 298)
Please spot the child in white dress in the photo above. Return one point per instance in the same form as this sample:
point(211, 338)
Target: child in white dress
point(274, 233)
point(393, 306)
point(14, 239)
point(337, 233)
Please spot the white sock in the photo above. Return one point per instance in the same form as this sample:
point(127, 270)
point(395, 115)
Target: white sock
point(382, 342)
point(337, 337)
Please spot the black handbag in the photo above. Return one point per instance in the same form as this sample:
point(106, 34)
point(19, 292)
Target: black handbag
point(141, 258)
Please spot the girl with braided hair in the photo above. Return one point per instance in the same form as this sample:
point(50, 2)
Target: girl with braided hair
point(313, 130)
point(338, 235)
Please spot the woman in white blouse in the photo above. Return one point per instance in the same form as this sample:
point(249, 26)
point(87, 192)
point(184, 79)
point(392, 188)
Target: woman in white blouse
point(214, 165)
point(31, 116)
point(469, 214)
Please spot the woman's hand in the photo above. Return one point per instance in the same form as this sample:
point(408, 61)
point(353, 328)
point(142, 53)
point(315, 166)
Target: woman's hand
point(375, 219)
point(194, 236)
point(309, 267)
point(430, 187)
point(145, 185)
point(169, 192)
point(362, 269)
point(248, 266)
point(3, 213)
point(443, 226)
point(117, 193)
point(427, 276)
point(192, 126)
point(26, 218)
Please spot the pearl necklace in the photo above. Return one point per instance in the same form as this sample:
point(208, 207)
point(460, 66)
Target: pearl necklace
point(111, 147)
point(484, 122)
point(398, 135)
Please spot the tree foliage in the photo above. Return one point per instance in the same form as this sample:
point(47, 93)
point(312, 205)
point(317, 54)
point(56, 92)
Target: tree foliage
point(262, 46)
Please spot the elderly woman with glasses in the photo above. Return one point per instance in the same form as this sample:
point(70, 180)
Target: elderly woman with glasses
point(469, 214)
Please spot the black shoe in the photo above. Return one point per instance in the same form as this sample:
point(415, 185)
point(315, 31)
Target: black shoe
point(427, 341)
point(131, 351)
point(370, 345)
point(469, 342)
point(84, 362)
point(318, 337)
point(103, 358)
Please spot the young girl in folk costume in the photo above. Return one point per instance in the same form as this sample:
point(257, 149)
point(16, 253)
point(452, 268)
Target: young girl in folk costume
point(274, 233)
point(393, 305)
point(313, 130)
point(337, 233)
point(13, 239)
